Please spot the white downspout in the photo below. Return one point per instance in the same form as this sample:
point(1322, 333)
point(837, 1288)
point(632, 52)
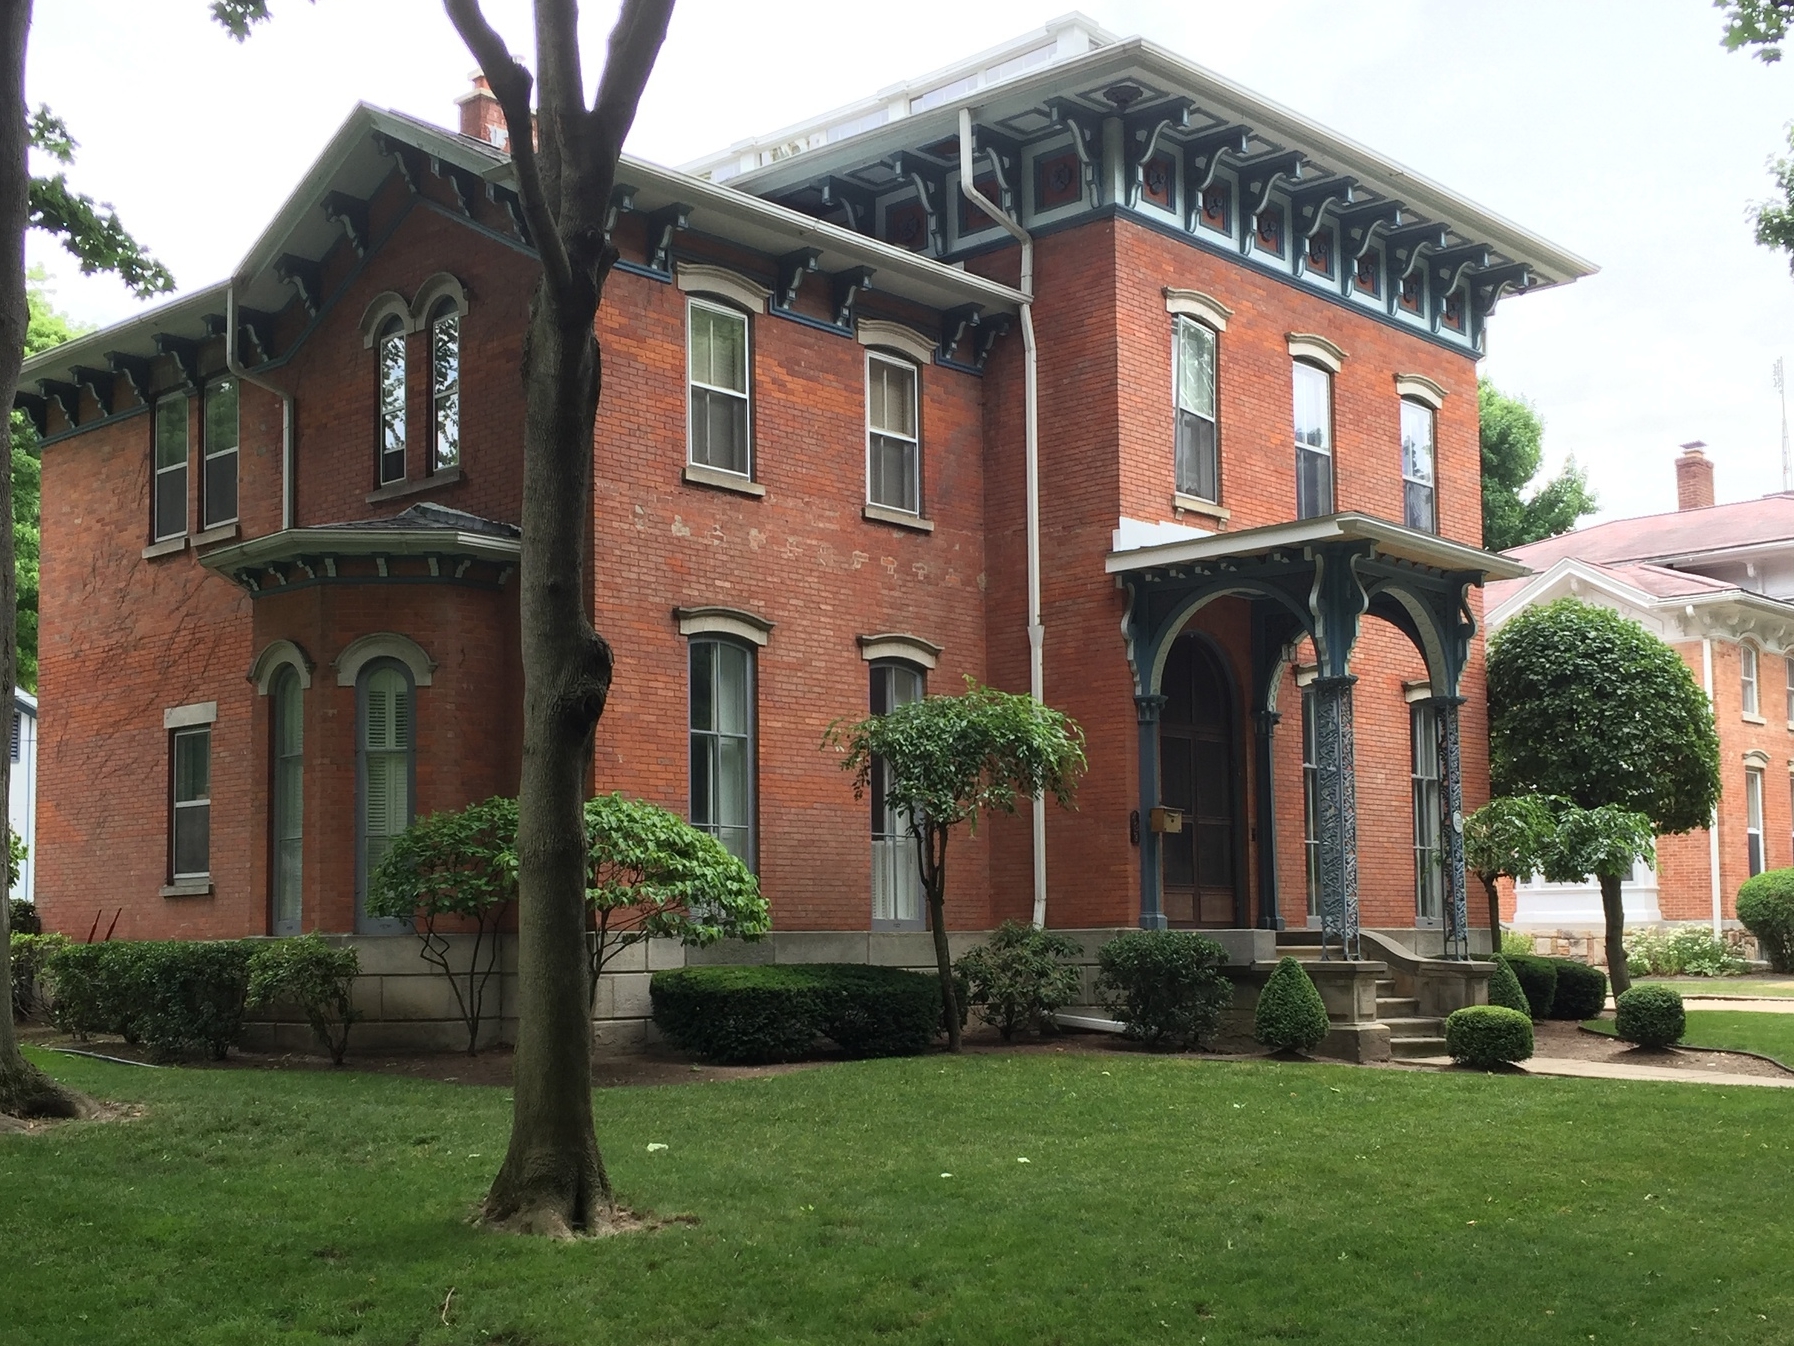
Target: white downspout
point(1713, 831)
point(232, 363)
point(1031, 413)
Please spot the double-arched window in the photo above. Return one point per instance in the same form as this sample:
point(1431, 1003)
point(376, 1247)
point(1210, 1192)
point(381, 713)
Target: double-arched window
point(445, 386)
point(391, 349)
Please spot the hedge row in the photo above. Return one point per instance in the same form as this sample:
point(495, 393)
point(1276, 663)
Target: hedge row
point(752, 1015)
point(1559, 988)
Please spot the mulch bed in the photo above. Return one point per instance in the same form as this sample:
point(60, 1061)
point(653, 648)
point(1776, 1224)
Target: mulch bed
point(1562, 1038)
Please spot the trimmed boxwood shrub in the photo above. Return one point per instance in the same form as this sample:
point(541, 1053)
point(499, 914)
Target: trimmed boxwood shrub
point(1291, 1015)
point(1581, 991)
point(168, 994)
point(1651, 1016)
point(1488, 1035)
point(756, 1014)
point(1504, 988)
point(1766, 907)
point(89, 990)
point(1538, 979)
point(1163, 985)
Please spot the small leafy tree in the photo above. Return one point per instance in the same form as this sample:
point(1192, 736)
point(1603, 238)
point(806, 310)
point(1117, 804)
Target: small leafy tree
point(449, 870)
point(1507, 838)
point(651, 875)
point(316, 976)
point(948, 759)
point(1517, 507)
point(1588, 705)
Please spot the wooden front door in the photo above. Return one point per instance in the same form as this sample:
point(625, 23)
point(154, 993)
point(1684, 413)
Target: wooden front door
point(1196, 776)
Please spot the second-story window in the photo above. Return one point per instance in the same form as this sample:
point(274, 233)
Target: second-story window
point(1198, 463)
point(717, 366)
point(1747, 674)
point(1753, 819)
point(219, 485)
point(1419, 506)
point(391, 348)
point(1788, 672)
point(893, 443)
point(1314, 441)
point(170, 506)
point(445, 387)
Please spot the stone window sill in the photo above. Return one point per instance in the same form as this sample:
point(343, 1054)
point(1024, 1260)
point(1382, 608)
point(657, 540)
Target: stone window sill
point(167, 547)
point(697, 474)
point(897, 518)
point(1748, 718)
point(1195, 504)
point(224, 532)
point(448, 476)
point(187, 888)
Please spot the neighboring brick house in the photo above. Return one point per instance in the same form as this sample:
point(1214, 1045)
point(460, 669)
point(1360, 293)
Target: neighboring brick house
point(278, 619)
point(1717, 583)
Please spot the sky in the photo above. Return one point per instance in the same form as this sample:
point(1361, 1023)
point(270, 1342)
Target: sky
point(1619, 129)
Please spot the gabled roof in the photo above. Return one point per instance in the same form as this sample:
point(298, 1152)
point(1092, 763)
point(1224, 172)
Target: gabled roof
point(1681, 536)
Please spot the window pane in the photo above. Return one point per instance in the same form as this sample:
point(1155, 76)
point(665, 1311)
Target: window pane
point(731, 689)
point(893, 473)
point(906, 685)
point(1417, 507)
point(1417, 442)
point(702, 814)
point(718, 349)
point(891, 389)
point(732, 782)
point(392, 407)
point(221, 488)
point(1753, 799)
point(1314, 410)
point(719, 430)
point(192, 840)
point(1314, 484)
point(1195, 368)
point(445, 354)
point(221, 416)
point(171, 502)
point(1197, 469)
point(448, 430)
point(171, 431)
point(192, 765)
point(703, 664)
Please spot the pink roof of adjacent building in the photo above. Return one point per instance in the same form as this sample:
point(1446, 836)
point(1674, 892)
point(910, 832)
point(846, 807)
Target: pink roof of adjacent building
point(1657, 581)
point(1683, 533)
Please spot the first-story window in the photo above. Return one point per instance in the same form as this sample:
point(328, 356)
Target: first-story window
point(893, 441)
point(717, 371)
point(722, 735)
point(190, 827)
point(170, 491)
point(1314, 440)
point(1429, 868)
point(1747, 675)
point(286, 700)
point(445, 387)
point(387, 765)
point(1419, 505)
point(896, 867)
point(1753, 817)
point(391, 348)
point(1311, 835)
point(219, 485)
point(1198, 461)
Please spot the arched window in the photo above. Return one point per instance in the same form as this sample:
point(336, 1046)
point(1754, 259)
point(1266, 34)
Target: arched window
point(893, 435)
point(722, 744)
point(445, 386)
point(391, 350)
point(1198, 459)
point(386, 771)
point(717, 372)
point(1747, 677)
point(896, 868)
point(1314, 440)
point(1419, 505)
point(287, 814)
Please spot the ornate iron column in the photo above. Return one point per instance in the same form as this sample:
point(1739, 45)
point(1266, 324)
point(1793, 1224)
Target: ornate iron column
point(1451, 827)
point(1336, 815)
point(1152, 906)
point(1266, 721)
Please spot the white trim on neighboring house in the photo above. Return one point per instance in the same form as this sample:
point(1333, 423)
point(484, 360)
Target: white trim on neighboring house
point(893, 645)
point(383, 645)
point(723, 621)
point(699, 278)
point(895, 336)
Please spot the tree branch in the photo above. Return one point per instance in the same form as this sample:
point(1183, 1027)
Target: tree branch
point(634, 44)
point(511, 84)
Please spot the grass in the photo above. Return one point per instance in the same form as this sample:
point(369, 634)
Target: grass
point(1745, 987)
point(1733, 1030)
point(1164, 1200)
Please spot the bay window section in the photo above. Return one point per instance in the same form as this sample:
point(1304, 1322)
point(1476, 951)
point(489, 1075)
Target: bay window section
point(190, 826)
point(218, 486)
point(721, 744)
point(170, 500)
point(1419, 503)
point(1198, 460)
point(896, 867)
point(717, 369)
point(445, 387)
point(893, 443)
point(391, 351)
point(1314, 440)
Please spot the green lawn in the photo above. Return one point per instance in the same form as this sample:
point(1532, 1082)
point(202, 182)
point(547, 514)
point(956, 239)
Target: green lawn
point(1164, 1200)
point(1746, 987)
point(1736, 1030)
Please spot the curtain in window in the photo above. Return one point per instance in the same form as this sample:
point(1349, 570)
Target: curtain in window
point(896, 868)
point(1198, 471)
point(289, 800)
point(386, 759)
point(1418, 483)
point(1314, 441)
point(721, 744)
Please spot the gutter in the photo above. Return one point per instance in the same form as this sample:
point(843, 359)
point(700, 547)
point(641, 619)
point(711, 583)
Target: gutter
point(232, 363)
point(1031, 404)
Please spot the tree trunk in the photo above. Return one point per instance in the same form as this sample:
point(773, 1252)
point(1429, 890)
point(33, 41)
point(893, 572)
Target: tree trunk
point(935, 880)
point(1614, 908)
point(1494, 912)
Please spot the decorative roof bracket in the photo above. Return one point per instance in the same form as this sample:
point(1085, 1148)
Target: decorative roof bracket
point(260, 327)
point(305, 276)
point(662, 225)
point(352, 213)
point(793, 267)
point(1487, 286)
point(513, 204)
point(1405, 244)
point(1358, 224)
point(1203, 152)
point(955, 323)
point(844, 291)
point(622, 201)
point(1259, 173)
point(1077, 120)
point(102, 383)
point(460, 179)
point(928, 191)
point(1149, 128)
point(395, 150)
point(1309, 201)
point(854, 202)
point(1449, 264)
point(184, 353)
point(34, 407)
point(134, 369)
point(988, 331)
point(65, 395)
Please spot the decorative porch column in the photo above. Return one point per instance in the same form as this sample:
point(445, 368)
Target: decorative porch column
point(1336, 815)
point(1451, 829)
point(1266, 722)
point(1152, 905)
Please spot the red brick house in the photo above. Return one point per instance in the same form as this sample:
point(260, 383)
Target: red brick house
point(1188, 446)
point(1717, 583)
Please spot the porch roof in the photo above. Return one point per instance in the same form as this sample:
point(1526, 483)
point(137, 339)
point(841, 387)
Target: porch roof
point(1387, 539)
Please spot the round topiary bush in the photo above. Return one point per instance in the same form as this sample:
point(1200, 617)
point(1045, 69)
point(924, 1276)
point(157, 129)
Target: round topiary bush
point(1538, 980)
point(1488, 1035)
point(1766, 907)
point(1291, 1015)
point(1504, 989)
point(1581, 991)
point(1651, 1016)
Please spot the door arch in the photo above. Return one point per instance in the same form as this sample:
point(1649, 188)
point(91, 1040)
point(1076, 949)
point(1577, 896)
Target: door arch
point(1199, 776)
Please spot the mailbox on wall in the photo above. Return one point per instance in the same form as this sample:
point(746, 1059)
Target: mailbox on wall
point(1167, 820)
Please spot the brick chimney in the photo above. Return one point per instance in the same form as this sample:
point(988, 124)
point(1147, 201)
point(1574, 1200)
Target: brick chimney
point(1694, 478)
point(481, 116)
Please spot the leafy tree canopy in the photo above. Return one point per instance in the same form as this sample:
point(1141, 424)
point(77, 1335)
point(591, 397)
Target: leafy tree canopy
point(1757, 23)
point(1509, 837)
point(1587, 704)
point(1512, 451)
point(91, 232)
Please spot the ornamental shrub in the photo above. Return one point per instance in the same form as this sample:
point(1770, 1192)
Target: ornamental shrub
point(1650, 1016)
point(1291, 1015)
point(168, 994)
point(22, 917)
point(1515, 941)
point(1488, 1035)
point(1581, 991)
point(1164, 985)
point(315, 976)
point(1684, 951)
point(89, 989)
point(1504, 989)
point(1538, 979)
point(29, 954)
point(1766, 907)
point(1020, 979)
point(878, 1011)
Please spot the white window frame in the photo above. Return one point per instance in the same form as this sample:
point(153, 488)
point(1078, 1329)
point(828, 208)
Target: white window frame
point(1429, 874)
point(896, 868)
point(1311, 841)
point(713, 737)
point(1415, 405)
point(441, 392)
point(1324, 450)
point(1748, 668)
point(209, 454)
point(1753, 820)
point(1179, 324)
point(157, 532)
point(1788, 681)
point(176, 804)
point(915, 441)
point(746, 394)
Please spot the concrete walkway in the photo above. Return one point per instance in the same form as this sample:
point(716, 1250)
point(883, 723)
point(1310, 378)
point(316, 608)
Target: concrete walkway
point(1755, 1005)
point(1607, 1070)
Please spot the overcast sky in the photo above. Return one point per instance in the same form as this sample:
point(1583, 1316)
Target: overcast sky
point(1617, 128)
